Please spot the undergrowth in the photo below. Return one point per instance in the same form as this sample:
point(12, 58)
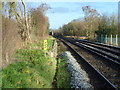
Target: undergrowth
point(63, 75)
point(35, 70)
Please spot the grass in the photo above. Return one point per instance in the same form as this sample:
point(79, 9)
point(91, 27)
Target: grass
point(63, 75)
point(35, 70)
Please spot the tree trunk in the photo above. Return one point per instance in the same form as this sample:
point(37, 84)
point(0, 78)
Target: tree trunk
point(26, 22)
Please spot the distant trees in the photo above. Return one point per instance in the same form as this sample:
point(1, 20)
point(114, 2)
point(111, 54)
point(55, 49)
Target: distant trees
point(84, 27)
point(74, 28)
point(108, 25)
point(92, 21)
point(92, 25)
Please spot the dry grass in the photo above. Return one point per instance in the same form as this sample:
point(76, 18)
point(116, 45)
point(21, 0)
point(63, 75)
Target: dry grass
point(10, 40)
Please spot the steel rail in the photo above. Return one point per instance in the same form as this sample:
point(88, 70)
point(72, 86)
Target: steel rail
point(109, 55)
point(102, 77)
point(102, 47)
point(101, 44)
point(104, 55)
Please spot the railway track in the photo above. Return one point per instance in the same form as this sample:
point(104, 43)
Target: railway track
point(103, 70)
point(110, 53)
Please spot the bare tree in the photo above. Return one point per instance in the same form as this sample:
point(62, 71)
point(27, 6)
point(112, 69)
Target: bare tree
point(39, 21)
point(92, 20)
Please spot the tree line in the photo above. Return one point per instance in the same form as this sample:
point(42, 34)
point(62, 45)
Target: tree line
point(92, 25)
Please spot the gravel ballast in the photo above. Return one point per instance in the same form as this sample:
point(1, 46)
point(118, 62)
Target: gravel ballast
point(79, 78)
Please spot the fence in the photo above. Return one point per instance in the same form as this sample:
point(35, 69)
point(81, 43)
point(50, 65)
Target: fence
point(109, 39)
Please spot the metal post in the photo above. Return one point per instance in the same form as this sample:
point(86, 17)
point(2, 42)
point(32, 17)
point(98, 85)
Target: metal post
point(106, 41)
point(116, 40)
point(111, 39)
point(101, 39)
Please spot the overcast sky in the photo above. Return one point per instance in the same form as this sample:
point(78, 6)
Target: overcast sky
point(64, 12)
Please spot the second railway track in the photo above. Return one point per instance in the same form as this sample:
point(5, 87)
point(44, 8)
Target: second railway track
point(110, 53)
point(109, 73)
